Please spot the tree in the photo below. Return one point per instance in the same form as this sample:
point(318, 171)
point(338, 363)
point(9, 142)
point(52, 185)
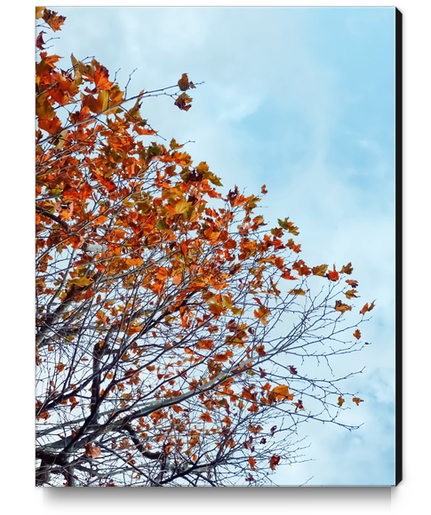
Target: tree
point(176, 336)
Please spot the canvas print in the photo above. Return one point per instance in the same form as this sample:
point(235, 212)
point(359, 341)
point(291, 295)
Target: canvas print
point(217, 196)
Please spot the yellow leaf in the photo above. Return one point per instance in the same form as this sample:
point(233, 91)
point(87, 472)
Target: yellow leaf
point(182, 206)
point(347, 269)
point(320, 270)
point(237, 311)
point(351, 293)
point(174, 145)
point(81, 281)
point(339, 306)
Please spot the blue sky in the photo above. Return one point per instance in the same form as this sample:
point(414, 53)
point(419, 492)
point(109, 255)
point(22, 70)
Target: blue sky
point(302, 100)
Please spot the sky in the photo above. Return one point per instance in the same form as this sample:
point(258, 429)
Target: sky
point(301, 100)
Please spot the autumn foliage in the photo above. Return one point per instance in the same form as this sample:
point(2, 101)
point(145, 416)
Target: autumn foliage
point(174, 330)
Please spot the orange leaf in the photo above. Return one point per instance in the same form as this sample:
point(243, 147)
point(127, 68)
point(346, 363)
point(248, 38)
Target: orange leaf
point(162, 274)
point(227, 421)
point(287, 275)
point(260, 349)
point(297, 291)
point(354, 284)
point(254, 429)
point(204, 344)
point(206, 417)
point(366, 308)
point(101, 78)
point(184, 83)
point(357, 334)
point(223, 357)
point(100, 220)
point(253, 408)
point(357, 400)
point(51, 126)
point(262, 313)
point(177, 278)
point(333, 275)
point(252, 462)
point(73, 403)
point(292, 246)
point(301, 268)
point(134, 262)
point(282, 393)
point(54, 21)
point(92, 452)
point(340, 401)
point(60, 367)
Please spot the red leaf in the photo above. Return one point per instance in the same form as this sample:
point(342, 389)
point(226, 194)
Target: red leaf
point(274, 461)
point(299, 405)
point(183, 102)
point(39, 41)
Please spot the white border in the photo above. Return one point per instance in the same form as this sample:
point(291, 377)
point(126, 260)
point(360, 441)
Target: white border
point(16, 470)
